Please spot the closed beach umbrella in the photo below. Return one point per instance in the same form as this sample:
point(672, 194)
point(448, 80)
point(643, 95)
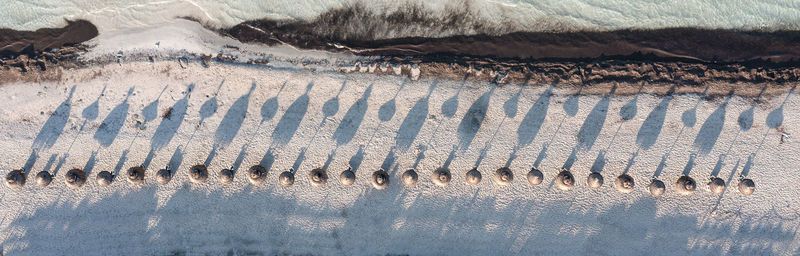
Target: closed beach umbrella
point(198, 173)
point(473, 177)
point(685, 185)
point(657, 188)
point(564, 180)
point(503, 176)
point(380, 179)
point(257, 174)
point(15, 179)
point(105, 178)
point(595, 180)
point(409, 178)
point(75, 178)
point(535, 177)
point(318, 177)
point(624, 184)
point(441, 177)
point(43, 178)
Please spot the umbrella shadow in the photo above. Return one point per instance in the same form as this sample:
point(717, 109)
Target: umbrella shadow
point(232, 121)
point(533, 120)
point(112, 124)
point(352, 119)
point(415, 118)
point(290, 121)
point(473, 119)
point(356, 160)
point(171, 120)
point(593, 124)
point(54, 126)
point(712, 128)
point(775, 117)
point(651, 128)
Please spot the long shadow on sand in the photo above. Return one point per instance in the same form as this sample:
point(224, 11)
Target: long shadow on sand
point(473, 119)
point(533, 120)
point(651, 128)
point(54, 125)
point(775, 117)
point(415, 118)
point(233, 119)
point(51, 130)
point(712, 128)
point(291, 119)
point(594, 122)
point(255, 222)
point(112, 124)
point(171, 120)
point(352, 119)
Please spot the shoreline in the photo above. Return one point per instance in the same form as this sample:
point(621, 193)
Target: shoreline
point(584, 64)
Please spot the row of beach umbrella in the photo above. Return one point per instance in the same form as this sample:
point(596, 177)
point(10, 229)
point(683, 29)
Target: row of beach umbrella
point(380, 179)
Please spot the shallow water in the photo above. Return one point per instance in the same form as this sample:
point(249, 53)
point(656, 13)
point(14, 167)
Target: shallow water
point(494, 14)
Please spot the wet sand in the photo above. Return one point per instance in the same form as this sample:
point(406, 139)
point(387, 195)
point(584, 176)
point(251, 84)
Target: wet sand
point(13, 42)
point(685, 58)
point(702, 45)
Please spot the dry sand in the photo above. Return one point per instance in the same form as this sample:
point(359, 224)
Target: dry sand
point(551, 129)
